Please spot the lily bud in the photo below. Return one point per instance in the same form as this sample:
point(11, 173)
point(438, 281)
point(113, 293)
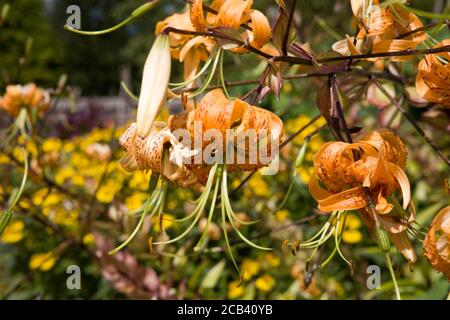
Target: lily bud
point(154, 85)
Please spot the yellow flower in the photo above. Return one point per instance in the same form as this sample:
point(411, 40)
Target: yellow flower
point(265, 283)
point(39, 196)
point(13, 232)
point(78, 180)
point(135, 201)
point(69, 147)
point(282, 215)
point(63, 174)
point(271, 259)
point(4, 159)
point(249, 268)
point(139, 180)
point(88, 239)
point(43, 261)
point(51, 144)
point(351, 233)
point(51, 200)
point(107, 191)
point(167, 222)
point(294, 125)
point(234, 290)
point(259, 186)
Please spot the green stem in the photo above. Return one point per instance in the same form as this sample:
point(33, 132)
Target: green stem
point(394, 279)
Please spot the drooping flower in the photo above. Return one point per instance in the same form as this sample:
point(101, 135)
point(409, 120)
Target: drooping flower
point(155, 81)
point(437, 243)
point(381, 29)
point(347, 174)
point(150, 154)
point(191, 50)
point(28, 96)
point(433, 77)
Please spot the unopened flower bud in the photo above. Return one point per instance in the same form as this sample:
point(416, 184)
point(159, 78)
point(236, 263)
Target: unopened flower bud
point(154, 85)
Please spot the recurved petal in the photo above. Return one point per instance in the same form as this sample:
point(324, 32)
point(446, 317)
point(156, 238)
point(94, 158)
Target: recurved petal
point(128, 162)
point(401, 242)
point(315, 189)
point(233, 13)
point(403, 181)
point(215, 111)
point(197, 15)
point(351, 199)
point(261, 31)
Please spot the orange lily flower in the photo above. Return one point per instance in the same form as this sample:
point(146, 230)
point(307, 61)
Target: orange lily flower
point(437, 243)
point(433, 78)
point(149, 153)
point(380, 28)
point(377, 170)
point(28, 96)
point(230, 13)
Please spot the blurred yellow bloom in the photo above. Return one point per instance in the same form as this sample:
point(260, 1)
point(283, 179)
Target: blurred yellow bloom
point(107, 191)
point(271, 259)
point(51, 144)
point(13, 232)
point(135, 201)
point(139, 180)
point(31, 148)
point(39, 196)
point(294, 125)
point(167, 222)
point(63, 174)
point(250, 268)
point(265, 283)
point(52, 199)
point(43, 261)
point(78, 180)
point(79, 160)
point(351, 233)
point(89, 239)
point(258, 186)
point(282, 215)
point(234, 290)
point(4, 159)
point(69, 147)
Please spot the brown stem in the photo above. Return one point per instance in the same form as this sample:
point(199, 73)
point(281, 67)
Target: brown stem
point(407, 52)
point(217, 34)
point(336, 103)
point(413, 123)
point(288, 29)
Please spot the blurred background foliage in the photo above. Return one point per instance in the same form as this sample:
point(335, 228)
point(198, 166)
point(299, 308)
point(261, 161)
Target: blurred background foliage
point(48, 233)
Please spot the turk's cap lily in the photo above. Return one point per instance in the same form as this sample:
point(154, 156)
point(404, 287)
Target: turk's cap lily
point(433, 78)
point(437, 243)
point(155, 81)
point(379, 168)
point(157, 152)
point(261, 127)
point(28, 96)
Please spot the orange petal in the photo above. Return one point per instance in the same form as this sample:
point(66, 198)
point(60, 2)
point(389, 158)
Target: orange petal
point(197, 15)
point(401, 242)
point(233, 13)
point(261, 30)
point(403, 181)
point(351, 199)
point(316, 191)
